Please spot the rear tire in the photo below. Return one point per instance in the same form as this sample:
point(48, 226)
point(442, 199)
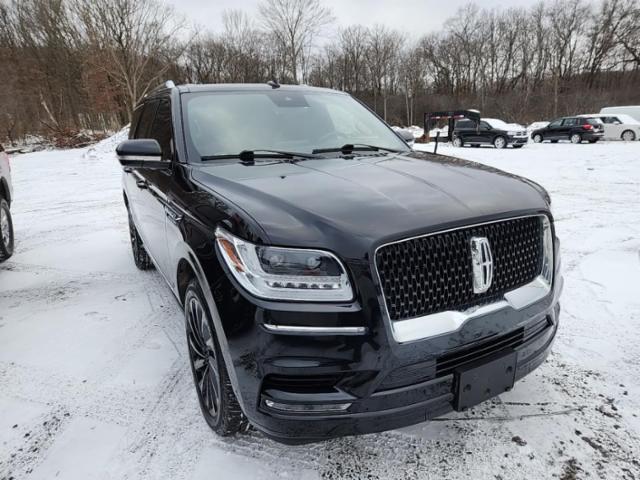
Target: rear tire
point(500, 142)
point(140, 256)
point(537, 138)
point(576, 138)
point(628, 136)
point(218, 402)
point(457, 142)
point(6, 231)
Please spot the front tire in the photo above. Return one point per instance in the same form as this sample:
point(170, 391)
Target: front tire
point(457, 142)
point(6, 231)
point(576, 138)
point(218, 402)
point(537, 138)
point(628, 136)
point(500, 142)
point(140, 256)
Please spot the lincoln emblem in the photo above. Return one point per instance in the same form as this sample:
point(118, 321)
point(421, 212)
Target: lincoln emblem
point(482, 262)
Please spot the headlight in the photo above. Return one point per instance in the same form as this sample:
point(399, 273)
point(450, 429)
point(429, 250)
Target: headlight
point(277, 273)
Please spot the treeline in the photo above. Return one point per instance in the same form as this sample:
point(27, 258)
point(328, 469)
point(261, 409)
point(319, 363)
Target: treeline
point(71, 65)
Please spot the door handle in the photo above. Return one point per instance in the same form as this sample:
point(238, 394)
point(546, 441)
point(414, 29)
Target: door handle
point(172, 215)
point(142, 184)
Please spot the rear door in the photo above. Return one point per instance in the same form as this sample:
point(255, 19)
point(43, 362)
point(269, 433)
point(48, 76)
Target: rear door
point(569, 126)
point(465, 129)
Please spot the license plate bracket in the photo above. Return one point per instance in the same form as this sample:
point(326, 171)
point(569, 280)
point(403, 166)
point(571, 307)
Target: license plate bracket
point(480, 381)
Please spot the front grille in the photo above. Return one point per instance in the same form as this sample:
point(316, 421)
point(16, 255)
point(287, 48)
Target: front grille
point(432, 274)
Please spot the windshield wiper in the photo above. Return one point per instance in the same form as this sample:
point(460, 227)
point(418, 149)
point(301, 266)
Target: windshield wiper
point(251, 155)
point(352, 147)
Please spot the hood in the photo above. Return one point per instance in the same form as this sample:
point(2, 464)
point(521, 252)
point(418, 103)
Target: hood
point(351, 202)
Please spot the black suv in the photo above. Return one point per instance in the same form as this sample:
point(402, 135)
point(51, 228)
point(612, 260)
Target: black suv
point(575, 129)
point(489, 131)
point(333, 281)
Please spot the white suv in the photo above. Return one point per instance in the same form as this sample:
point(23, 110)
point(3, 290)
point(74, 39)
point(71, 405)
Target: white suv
point(6, 192)
point(618, 126)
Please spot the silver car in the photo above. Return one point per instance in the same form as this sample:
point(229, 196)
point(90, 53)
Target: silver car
point(6, 193)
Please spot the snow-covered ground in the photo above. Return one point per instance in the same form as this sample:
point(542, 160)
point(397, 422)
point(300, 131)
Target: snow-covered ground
point(94, 380)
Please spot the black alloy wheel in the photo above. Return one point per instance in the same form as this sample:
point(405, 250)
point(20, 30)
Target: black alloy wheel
point(218, 402)
point(6, 231)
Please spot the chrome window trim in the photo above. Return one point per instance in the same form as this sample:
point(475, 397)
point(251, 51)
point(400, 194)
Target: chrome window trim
point(441, 323)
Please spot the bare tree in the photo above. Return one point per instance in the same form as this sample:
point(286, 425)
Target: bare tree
point(133, 41)
point(295, 24)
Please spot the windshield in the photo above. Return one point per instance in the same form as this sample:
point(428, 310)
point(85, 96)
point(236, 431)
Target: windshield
point(226, 123)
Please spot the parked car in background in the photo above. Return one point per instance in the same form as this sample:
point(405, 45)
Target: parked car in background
point(619, 126)
point(631, 110)
point(6, 193)
point(329, 283)
point(490, 131)
point(575, 129)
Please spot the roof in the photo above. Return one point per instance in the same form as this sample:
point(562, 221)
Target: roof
point(227, 87)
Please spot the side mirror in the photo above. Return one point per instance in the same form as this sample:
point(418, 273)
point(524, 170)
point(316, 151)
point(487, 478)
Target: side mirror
point(407, 136)
point(141, 153)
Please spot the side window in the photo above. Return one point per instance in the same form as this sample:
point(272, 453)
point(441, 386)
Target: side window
point(465, 124)
point(570, 121)
point(485, 126)
point(161, 128)
point(135, 121)
point(554, 124)
point(146, 118)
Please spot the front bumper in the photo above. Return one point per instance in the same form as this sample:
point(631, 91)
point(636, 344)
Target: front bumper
point(384, 384)
point(517, 140)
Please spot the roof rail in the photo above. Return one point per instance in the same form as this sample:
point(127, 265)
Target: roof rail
point(168, 84)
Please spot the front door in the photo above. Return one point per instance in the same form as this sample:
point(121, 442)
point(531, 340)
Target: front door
point(157, 186)
point(553, 130)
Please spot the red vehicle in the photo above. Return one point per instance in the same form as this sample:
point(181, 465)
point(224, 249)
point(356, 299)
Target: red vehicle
point(6, 191)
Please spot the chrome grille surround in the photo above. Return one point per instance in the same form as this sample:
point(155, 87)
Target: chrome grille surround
point(445, 320)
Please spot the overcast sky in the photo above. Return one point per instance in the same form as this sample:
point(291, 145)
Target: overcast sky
point(412, 16)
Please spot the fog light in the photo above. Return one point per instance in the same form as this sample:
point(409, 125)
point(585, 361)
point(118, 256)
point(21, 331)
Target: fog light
point(307, 408)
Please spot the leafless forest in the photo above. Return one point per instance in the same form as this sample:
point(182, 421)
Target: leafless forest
point(70, 65)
